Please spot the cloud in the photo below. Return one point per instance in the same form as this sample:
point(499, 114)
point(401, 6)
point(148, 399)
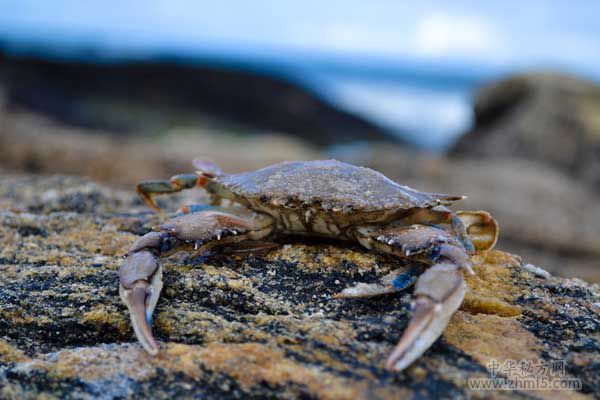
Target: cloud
point(443, 35)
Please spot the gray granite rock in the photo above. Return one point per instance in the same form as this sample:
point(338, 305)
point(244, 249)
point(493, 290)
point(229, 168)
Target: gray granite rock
point(549, 118)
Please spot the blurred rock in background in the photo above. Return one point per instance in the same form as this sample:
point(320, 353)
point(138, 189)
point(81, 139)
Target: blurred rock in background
point(149, 97)
point(548, 118)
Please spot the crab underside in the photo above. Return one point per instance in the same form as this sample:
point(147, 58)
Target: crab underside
point(326, 199)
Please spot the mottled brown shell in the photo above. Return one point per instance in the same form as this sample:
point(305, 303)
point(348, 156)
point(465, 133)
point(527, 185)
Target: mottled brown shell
point(329, 185)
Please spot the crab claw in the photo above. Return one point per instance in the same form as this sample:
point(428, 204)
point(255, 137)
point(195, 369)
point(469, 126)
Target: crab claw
point(439, 293)
point(140, 285)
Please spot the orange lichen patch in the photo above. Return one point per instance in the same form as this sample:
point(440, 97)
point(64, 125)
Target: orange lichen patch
point(96, 363)
point(491, 290)
point(334, 333)
point(80, 297)
point(332, 339)
point(11, 391)
point(176, 321)
point(9, 353)
point(16, 316)
point(321, 356)
point(251, 364)
point(89, 237)
point(477, 304)
point(491, 337)
point(228, 277)
point(106, 316)
point(486, 337)
point(115, 243)
point(93, 241)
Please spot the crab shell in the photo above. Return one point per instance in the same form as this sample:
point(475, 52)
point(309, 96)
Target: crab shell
point(340, 193)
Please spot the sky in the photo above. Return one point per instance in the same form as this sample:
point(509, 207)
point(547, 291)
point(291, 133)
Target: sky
point(512, 34)
point(484, 38)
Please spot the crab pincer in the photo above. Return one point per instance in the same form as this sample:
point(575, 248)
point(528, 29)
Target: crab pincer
point(438, 293)
point(140, 285)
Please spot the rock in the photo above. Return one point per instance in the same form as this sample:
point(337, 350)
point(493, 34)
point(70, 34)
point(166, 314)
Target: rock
point(262, 326)
point(548, 118)
point(129, 96)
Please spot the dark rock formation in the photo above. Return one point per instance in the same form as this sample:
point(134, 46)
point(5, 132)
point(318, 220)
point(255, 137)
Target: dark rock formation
point(256, 326)
point(152, 96)
point(548, 118)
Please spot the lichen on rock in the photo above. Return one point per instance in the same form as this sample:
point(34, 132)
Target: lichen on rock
point(251, 326)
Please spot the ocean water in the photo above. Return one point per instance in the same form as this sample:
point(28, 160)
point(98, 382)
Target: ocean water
point(426, 116)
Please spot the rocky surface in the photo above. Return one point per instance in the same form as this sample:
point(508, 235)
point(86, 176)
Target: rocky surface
point(258, 326)
point(549, 118)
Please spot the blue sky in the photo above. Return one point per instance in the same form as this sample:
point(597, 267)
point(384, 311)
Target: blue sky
point(512, 34)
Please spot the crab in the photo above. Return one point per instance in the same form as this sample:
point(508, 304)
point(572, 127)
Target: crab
point(328, 199)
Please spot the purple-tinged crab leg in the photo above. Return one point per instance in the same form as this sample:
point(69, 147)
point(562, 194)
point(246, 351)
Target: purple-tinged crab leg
point(396, 281)
point(140, 285)
point(439, 293)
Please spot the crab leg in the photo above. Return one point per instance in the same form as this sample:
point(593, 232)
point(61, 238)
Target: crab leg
point(396, 281)
point(148, 189)
point(481, 228)
point(441, 215)
point(205, 171)
point(141, 274)
point(250, 247)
